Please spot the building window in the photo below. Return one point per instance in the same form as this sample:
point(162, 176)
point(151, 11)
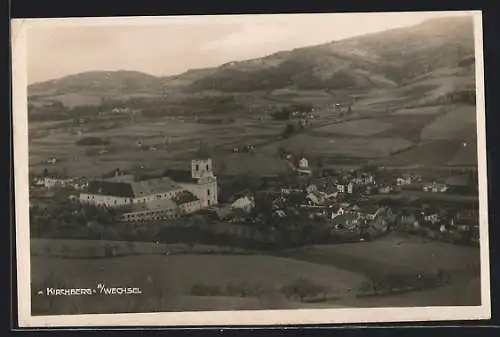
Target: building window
point(207, 168)
point(115, 201)
point(208, 192)
point(197, 167)
point(88, 197)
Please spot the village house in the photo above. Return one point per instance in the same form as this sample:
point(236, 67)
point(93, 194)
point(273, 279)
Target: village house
point(404, 180)
point(435, 187)
point(407, 218)
point(371, 212)
point(363, 179)
point(51, 181)
point(432, 218)
point(303, 167)
point(384, 189)
point(245, 203)
point(51, 160)
point(345, 222)
point(345, 188)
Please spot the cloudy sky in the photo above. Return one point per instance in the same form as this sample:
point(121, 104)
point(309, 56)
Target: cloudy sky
point(168, 46)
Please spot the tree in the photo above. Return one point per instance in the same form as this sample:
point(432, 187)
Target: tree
point(289, 130)
point(320, 162)
point(281, 151)
point(302, 288)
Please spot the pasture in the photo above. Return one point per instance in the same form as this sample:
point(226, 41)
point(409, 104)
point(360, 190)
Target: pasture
point(425, 110)
point(392, 254)
point(76, 248)
point(432, 153)
point(459, 124)
point(375, 147)
point(460, 293)
point(361, 127)
point(167, 282)
point(465, 156)
point(74, 100)
point(172, 139)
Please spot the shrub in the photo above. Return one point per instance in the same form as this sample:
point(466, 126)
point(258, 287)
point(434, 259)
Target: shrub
point(301, 289)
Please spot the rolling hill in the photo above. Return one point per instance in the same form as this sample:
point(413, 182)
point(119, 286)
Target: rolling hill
point(123, 81)
point(380, 60)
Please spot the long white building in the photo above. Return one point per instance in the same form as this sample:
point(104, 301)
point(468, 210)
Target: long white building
point(170, 191)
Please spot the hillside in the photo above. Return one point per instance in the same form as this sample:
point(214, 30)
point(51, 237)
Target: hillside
point(379, 60)
point(383, 59)
point(97, 82)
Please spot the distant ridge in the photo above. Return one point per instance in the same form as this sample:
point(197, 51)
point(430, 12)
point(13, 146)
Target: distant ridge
point(383, 59)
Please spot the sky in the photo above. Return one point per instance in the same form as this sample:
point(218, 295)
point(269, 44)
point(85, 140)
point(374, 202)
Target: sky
point(171, 45)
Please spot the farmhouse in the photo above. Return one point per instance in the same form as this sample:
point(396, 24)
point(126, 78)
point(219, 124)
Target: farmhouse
point(304, 167)
point(244, 203)
point(53, 181)
point(435, 188)
point(51, 160)
point(404, 180)
point(345, 221)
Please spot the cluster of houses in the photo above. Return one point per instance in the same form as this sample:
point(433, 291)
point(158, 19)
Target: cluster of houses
point(336, 200)
point(438, 223)
point(54, 180)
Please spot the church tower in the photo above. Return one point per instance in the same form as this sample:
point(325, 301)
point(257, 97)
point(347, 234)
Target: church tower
point(201, 167)
point(206, 187)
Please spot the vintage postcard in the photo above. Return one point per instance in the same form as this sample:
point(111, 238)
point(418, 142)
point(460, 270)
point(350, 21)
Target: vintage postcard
point(250, 169)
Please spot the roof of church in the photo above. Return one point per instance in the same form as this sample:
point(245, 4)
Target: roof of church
point(179, 175)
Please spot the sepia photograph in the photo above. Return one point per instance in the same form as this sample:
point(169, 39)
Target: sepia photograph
point(250, 169)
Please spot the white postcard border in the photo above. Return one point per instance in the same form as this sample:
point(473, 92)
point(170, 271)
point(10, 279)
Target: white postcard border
point(219, 318)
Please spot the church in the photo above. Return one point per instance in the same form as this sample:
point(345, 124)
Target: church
point(189, 191)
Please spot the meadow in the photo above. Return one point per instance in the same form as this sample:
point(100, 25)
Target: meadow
point(190, 279)
point(430, 153)
point(426, 110)
point(361, 127)
point(401, 252)
point(373, 147)
point(459, 123)
point(173, 283)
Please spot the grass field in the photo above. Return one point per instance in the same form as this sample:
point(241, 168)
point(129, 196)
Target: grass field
point(74, 100)
point(75, 248)
point(393, 253)
point(362, 127)
point(166, 282)
point(173, 139)
point(432, 153)
point(428, 110)
point(344, 146)
point(461, 293)
point(457, 124)
point(465, 156)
